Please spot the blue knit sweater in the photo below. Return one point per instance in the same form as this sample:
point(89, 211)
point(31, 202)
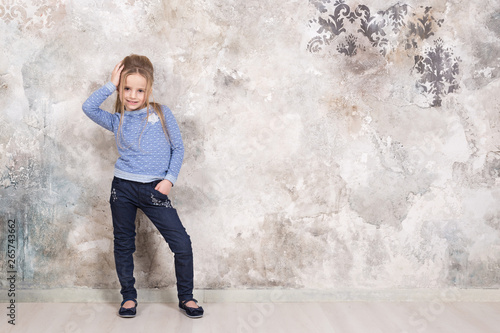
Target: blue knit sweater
point(155, 157)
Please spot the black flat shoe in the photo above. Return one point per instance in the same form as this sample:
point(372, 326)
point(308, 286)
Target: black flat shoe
point(191, 312)
point(128, 313)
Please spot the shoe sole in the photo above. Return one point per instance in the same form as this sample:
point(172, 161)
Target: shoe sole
point(126, 316)
point(185, 313)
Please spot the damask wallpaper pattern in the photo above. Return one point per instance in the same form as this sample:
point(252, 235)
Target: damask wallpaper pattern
point(34, 16)
point(398, 27)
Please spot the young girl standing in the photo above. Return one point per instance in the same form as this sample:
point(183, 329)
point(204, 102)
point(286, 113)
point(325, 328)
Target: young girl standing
point(151, 153)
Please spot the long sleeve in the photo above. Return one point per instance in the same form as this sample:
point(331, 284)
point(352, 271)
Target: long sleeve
point(92, 104)
point(176, 147)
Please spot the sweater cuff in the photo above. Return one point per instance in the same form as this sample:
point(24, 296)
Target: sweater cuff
point(111, 87)
point(171, 178)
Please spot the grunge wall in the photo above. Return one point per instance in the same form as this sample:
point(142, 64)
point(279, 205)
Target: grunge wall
point(329, 144)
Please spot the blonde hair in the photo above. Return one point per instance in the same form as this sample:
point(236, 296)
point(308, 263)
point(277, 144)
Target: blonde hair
point(137, 64)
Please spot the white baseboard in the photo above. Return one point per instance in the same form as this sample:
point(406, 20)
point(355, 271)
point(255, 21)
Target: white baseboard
point(77, 295)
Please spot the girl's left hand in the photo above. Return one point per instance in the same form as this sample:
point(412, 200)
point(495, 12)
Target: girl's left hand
point(164, 186)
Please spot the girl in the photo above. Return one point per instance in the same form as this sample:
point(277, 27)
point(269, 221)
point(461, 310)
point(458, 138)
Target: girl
point(151, 153)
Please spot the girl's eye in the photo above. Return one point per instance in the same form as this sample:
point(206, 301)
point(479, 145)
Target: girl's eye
point(126, 88)
point(140, 90)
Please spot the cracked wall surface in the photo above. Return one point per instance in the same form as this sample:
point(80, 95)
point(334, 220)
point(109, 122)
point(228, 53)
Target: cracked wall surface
point(329, 143)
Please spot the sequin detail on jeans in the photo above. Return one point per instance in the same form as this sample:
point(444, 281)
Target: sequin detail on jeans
point(160, 202)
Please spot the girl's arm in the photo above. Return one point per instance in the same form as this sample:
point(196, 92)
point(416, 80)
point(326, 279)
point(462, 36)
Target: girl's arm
point(176, 146)
point(91, 105)
point(92, 110)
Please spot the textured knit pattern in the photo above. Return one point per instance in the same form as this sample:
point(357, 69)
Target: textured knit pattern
point(151, 158)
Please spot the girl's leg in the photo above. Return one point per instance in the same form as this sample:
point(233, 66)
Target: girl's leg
point(124, 210)
point(158, 209)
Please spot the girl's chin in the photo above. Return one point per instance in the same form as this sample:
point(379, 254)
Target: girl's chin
point(132, 107)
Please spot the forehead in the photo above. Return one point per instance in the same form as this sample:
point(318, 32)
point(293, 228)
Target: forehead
point(136, 80)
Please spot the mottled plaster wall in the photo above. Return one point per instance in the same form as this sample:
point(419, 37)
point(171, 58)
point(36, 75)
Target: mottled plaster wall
point(329, 144)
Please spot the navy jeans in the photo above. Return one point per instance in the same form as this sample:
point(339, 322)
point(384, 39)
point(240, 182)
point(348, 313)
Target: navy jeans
point(126, 197)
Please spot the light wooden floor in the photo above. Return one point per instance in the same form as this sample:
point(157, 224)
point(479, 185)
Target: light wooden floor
point(335, 317)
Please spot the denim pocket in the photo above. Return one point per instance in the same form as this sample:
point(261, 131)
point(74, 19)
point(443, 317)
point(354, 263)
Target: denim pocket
point(158, 198)
point(153, 186)
point(159, 193)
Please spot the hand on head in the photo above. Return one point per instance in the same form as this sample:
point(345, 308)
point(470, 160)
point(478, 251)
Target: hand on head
point(115, 76)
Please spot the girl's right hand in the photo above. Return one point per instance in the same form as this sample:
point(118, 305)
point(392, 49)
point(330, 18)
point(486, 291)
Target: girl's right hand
point(115, 76)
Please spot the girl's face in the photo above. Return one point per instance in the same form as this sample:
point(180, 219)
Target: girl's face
point(134, 92)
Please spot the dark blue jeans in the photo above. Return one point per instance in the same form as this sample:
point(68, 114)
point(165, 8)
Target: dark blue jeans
point(126, 197)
